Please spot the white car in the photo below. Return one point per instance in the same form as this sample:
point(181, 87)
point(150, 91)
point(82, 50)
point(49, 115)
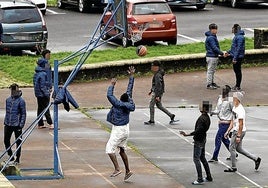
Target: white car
point(41, 4)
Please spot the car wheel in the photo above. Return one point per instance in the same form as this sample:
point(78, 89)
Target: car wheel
point(82, 5)
point(125, 42)
point(199, 7)
point(60, 4)
point(172, 42)
point(234, 3)
point(104, 36)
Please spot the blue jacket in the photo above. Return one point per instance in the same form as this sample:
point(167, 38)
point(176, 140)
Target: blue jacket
point(42, 62)
point(119, 113)
point(15, 111)
point(40, 81)
point(212, 45)
point(238, 46)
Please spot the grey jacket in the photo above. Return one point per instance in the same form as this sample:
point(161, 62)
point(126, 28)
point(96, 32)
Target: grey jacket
point(158, 84)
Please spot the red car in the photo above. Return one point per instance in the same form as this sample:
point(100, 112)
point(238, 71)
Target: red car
point(155, 17)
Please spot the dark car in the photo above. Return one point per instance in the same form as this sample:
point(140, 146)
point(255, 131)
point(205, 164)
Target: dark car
point(237, 3)
point(154, 16)
point(83, 5)
point(199, 4)
point(24, 27)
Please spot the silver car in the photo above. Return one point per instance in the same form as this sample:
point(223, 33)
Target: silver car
point(24, 27)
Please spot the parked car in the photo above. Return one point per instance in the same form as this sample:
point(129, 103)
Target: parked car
point(157, 17)
point(83, 5)
point(200, 4)
point(24, 27)
point(41, 4)
point(237, 3)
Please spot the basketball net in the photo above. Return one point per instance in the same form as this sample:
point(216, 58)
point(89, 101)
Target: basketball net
point(137, 35)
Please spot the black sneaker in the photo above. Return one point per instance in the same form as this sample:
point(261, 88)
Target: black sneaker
point(210, 86)
point(217, 86)
point(208, 179)
point(229, 158)
point(235, 88)
point(196, 182)
point(257, 163)
point(172, 117)
point(149, 122)
point(213, 160)
point(231, 170)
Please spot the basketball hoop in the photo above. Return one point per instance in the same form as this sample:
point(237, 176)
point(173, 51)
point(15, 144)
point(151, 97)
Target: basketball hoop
point(136, 35)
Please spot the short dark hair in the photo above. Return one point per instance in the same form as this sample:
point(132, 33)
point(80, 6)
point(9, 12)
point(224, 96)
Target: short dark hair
point(124, 97)
point(236, 28)
point(212, 26)
point(156, 63)
point(44, 52)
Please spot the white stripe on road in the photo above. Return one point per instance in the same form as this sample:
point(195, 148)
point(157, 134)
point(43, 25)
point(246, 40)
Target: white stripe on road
point(54, 12)
point(249, 29)
point(190, 38)
point(176, 132)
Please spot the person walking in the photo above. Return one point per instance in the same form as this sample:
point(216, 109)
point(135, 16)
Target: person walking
point(212, 55)
point(156, 92)
point(46, 56)
point(199, 135)
point(224, 112)
point(42, 93)
point(237, 53)
point(238, 128)
point(118, 116)
point(14, 121)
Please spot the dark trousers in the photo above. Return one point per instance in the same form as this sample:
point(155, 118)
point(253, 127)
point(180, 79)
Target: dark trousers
point(221, 139)
point(238, 72)
point(42, 103)
point(8, 130)
point(199, 155)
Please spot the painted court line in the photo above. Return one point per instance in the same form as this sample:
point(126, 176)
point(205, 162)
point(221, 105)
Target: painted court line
point(190, 142)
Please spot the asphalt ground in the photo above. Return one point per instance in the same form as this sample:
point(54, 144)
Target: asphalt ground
point(162, 158)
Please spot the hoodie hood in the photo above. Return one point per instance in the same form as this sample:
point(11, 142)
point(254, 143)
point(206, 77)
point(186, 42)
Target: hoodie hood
point(39, 69)
point(241, 32)
point(162, 72)
point(16, 94)
point(208, 33)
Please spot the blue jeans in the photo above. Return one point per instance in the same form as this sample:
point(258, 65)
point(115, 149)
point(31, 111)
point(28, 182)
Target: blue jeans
point(221, 139)
point(199, 155)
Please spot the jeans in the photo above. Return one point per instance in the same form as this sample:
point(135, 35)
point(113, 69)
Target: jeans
point(153, 102)
point(238, 147)
point(199, 155)
point(8, 130)
point(221, 139)
point(238, 72)
point(212, 63)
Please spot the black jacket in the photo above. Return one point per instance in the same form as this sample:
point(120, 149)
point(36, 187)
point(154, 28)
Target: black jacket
point(201, 127)
point(158, 84)
point(1, 32)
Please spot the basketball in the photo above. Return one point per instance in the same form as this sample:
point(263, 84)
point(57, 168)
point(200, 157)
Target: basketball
point(141, 50)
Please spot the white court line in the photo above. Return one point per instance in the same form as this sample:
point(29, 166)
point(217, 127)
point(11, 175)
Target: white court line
point(84, 161)
point(190, 142)
point(189, 38)
point(54, 12)
point(249, 29)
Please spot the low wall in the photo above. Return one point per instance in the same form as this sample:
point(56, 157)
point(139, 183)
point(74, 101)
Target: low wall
point(174, 63)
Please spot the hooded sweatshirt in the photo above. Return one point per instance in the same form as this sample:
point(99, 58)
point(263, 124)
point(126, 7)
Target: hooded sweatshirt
point(212, 45)
point(41, 86)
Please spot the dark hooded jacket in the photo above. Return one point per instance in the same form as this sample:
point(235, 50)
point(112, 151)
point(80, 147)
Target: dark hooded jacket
point(41, 86)
point(238, 46)
point(15, 111)
point(212, 45)
point(158, 84)
point(119, 113)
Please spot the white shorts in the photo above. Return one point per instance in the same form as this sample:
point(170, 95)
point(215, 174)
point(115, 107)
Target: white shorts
point(118, 138)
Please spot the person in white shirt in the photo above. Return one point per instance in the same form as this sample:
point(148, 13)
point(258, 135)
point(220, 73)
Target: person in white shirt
point(238, 129)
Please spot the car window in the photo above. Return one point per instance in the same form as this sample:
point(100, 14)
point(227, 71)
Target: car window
point(20, 15)
point(150, 8)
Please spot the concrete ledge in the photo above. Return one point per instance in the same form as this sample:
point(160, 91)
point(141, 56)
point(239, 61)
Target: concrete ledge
point(4, 183)
point(174, 63)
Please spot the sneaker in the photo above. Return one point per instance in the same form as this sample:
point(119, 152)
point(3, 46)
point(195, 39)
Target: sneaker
point(210, 86)
point(213, 160)
point(229, 158)
point(235, 88)
point(207, 179)
point(217, 86)
point(172, 117)
point(257, 163)
point(196, 182)
point(149, 122)
point(231, 170)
